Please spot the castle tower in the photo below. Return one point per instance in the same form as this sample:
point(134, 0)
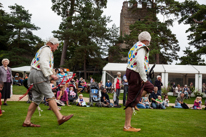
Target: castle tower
point(128, 16)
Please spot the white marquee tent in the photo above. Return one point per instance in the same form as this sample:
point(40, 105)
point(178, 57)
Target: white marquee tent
point(189, 71)
point(23, 69)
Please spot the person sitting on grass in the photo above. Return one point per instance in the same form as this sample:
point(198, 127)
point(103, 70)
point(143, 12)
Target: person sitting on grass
point(166, 101)
point(179, 101)
point(154, 96)
point(72, 93)
point(145, 101)
point(159, 103)
point(105, 102)
point(63, 95)
point(197, 103)
point(1, 87)
point(81, 101)
point(141, 105)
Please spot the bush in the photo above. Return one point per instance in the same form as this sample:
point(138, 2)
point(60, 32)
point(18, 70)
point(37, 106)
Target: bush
point(197, 93)
point(165, 90)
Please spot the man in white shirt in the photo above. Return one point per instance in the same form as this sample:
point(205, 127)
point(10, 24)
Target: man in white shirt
point(40, 74)
point(137, 68)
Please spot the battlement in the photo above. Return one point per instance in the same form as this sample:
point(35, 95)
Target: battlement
point(128, 16)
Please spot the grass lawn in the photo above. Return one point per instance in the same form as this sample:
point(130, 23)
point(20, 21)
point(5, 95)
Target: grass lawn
point(103, 122)
point(20, 90)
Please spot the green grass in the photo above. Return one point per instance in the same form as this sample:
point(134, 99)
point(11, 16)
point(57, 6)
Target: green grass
point(20, 90)
point(103, 122)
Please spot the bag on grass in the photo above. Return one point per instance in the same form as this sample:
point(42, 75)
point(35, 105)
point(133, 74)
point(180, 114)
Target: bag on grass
point(184, 106)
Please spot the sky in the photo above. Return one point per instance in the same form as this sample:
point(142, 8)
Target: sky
point(48, 20)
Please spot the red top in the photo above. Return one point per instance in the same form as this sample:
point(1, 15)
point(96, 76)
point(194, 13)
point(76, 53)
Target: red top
point(117, 84)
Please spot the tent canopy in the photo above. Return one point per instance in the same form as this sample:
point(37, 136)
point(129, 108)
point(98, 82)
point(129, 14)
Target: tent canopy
point(159, 68)
point(22, 69)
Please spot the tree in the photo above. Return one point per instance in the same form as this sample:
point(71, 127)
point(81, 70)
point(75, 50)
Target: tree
point(192, 58)
point(5, 28)
point(87, 34)
point(67, 10)
point(21, 41)
point(194, 14)
point(164, 45)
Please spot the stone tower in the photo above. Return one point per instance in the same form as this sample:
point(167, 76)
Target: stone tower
point(128, 16)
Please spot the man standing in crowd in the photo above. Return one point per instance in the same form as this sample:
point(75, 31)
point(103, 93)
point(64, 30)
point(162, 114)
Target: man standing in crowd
point(125, 83)
point(137, 67)
point(40, 74)
point(158, 83)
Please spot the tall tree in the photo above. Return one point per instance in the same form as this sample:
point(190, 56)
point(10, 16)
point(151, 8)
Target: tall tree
point(67, 9)
point(22, 41)
point(191, 57)
point(86, 33)
point(194, 14)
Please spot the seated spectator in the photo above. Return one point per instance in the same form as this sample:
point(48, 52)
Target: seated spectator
point(154, 96)
point(81, 101)
point(141, 105)
point(63, 95)
point(179, 101)
point(20, 81)
point(145, 101)
point(101, 87)
point(108, 86)
point(84, 84)
point(81, 84)
point(71, 92)
point(166, 101)
point(197, 103)
point(159, 103)
point(186, 91)
point(105, 102)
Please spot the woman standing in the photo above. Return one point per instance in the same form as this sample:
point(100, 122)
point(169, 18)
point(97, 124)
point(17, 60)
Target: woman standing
point(6, 77)
point(117, 87)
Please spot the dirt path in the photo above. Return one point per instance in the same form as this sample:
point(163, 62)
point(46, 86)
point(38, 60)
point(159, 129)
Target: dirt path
point(16, 98)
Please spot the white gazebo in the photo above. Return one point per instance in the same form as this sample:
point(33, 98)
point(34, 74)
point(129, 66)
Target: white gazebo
point(23, 69)
point(181, 74)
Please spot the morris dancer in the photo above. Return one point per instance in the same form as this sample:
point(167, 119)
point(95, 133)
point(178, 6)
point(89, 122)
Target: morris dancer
point(138, 66)
point(41, 72)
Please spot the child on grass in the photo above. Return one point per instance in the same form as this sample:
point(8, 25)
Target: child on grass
point(63, 95)
point(81, 101)
point(1, 87)
point(145, 101)
point(166, 101)
point(197, 103)
point(71, 92)
point(159, 103)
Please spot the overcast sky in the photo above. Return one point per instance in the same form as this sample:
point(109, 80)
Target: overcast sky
point(47, 20)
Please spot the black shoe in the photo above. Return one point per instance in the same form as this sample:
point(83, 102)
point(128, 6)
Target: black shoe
point(173, 107)
point(5, 104)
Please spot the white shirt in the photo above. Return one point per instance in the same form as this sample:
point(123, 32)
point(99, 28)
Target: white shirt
point(140, 64)
point(45, 57)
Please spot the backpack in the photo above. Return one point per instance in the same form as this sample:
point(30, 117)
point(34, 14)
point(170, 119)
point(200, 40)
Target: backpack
point(184, 106)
